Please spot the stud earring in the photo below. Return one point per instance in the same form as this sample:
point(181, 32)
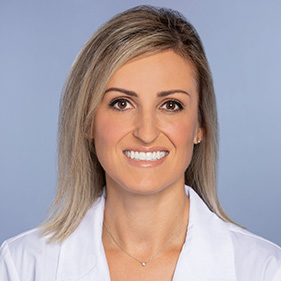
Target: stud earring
point(198, 140)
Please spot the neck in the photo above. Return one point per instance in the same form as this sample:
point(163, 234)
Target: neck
point(145, 222)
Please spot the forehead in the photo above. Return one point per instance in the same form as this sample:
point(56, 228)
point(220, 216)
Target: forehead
point(164, 69)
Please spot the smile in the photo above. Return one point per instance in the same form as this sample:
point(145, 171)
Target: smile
point(145, 156)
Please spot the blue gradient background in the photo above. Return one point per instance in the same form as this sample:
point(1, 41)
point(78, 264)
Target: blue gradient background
point(38, 43)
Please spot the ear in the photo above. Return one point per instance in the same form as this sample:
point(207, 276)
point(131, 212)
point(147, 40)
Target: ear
point(198, 137)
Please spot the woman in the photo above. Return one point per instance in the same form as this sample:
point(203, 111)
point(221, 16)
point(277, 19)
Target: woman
point(138, 126)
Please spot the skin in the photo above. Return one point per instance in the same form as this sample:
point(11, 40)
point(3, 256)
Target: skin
point(150, 104)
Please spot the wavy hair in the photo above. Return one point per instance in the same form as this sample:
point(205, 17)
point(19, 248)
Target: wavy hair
point(137, 32)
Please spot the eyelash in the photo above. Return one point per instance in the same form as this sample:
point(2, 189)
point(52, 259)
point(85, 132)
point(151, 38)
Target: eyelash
point(113, 104)
point(174, 102)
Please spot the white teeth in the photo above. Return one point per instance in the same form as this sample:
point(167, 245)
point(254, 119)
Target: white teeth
point(145, 156)
point(142, 155)
point(158, 154)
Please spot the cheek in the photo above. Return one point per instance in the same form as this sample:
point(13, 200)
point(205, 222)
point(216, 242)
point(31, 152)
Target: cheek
point(108, 131)
point(181, 133)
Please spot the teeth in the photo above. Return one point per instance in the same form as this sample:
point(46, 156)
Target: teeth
point(145, 156)
point(158, 154)
point(142, 155)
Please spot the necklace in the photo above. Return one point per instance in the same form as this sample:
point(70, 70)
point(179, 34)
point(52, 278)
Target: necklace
point(143, 263)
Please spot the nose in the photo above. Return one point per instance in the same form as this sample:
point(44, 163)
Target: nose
point(146, 127)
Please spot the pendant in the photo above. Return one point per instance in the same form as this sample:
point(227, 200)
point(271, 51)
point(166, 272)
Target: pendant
point(143, 263)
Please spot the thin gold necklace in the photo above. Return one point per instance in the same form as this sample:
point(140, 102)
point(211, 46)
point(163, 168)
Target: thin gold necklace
point(143, 263)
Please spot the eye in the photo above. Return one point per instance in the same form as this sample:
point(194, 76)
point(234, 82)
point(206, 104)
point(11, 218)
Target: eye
point(172, 105)
point(121, 104)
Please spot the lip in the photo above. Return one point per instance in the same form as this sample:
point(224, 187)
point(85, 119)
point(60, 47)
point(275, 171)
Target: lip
point(147, 149)
point(145, 163)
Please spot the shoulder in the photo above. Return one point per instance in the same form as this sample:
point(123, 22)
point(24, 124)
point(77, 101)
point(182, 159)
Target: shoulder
point(254, 255)
point(229, 248)
point(29, 244)
point(247, 243)
point(26, 255)
point(29, 256)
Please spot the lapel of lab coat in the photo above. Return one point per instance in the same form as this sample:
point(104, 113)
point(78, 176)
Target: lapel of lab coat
point(208, 250)
point(82, 254)
point(206, 255)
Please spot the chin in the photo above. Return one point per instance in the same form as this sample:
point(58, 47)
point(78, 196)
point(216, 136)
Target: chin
point(146, 187)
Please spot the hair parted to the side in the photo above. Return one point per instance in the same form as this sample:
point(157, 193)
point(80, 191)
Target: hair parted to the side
point(137, 32)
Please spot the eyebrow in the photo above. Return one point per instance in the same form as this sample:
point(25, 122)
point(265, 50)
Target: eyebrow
point(129, 93)
point(167, 93)
point(159, 94)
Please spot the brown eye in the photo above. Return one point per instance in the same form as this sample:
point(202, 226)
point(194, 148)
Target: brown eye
point(121, 104)
point(172, 106)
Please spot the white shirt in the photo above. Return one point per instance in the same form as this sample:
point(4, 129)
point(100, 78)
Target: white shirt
point(214, 250)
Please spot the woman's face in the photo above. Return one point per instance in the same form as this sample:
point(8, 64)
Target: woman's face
point(146, 125)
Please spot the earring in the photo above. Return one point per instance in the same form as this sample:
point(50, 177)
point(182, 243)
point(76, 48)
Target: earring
point(198, 140)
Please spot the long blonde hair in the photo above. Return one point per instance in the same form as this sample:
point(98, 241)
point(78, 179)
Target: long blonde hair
point(137, 32)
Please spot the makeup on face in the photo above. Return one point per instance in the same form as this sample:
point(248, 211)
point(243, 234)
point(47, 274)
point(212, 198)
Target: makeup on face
point(146, 124)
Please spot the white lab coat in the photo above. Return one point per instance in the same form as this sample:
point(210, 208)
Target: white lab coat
point(213, 251)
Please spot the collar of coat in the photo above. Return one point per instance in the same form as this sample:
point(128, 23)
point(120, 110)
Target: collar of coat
point(206, 255)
